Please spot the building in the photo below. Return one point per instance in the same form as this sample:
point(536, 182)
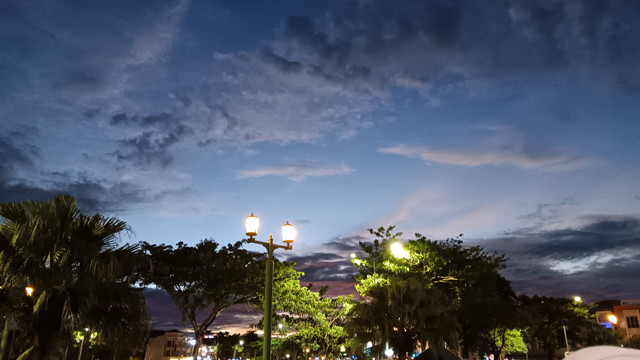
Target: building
point(167, 345)
point(622, 316)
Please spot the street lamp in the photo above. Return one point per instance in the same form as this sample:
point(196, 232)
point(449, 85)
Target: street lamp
point(288, 235)
point(235, 347)
point(398, 251)
point(86, 330)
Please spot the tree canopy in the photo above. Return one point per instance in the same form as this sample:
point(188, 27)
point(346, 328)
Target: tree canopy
point(204, 279)
point(424, 293)
point(79, 275)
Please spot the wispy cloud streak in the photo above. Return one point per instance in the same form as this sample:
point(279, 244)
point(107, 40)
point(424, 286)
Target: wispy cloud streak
point(549, 161)
point(296, 173)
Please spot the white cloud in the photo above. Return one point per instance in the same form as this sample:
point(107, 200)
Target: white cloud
point(296, 173)
point(152, 45)
point(252, 101)
point(415, 203)
point(551, 161)
point(430, 211)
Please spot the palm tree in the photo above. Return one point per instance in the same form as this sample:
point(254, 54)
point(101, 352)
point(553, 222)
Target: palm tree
point(71, 260)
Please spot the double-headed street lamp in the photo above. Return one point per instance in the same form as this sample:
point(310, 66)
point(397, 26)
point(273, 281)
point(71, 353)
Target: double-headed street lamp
point(288, 235)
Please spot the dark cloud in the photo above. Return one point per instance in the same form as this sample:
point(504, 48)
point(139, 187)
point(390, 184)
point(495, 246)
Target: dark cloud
point(14, 156)
point(155, 120)
point(94, 196)
point(335, 288)
point(346, 245)
point(21, 181)
point(570, 261)
point(442, 21)
point(599, 235)
point(152, 146)
point(591, 19)
point(302, 30)
point(560, 262)
point(79, 81)
point(315, 271)
point(22, 192)
point(333, 265)
point(316, 256)
point(90, 113)
point(543, 20)
point(279, 62)
point(324, 266)
point(165, 315)
point(463, 40)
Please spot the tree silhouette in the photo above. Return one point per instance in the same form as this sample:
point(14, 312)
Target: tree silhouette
point(79, 274)
point(204, 279)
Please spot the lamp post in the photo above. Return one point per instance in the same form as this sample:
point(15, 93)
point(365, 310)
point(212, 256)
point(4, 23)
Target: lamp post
point(235, 347)
point(82, 343)
point(288, 235)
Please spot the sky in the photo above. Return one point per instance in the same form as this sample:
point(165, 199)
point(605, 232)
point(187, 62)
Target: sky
point(515, 123)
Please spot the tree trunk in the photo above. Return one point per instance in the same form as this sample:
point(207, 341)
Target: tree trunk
point(199, 340)
point(5, 339)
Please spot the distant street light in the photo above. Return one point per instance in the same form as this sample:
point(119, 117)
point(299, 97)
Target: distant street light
point(235, 347)
point(82, 342)
point(566, 341)
point(577, 299)
point(398, 251)
point(388, 351)
point(29, 290)
point(289, 233)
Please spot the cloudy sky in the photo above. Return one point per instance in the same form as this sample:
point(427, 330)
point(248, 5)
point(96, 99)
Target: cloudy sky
point(514, 122)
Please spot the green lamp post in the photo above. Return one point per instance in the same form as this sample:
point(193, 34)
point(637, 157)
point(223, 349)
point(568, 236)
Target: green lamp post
point(288, 235)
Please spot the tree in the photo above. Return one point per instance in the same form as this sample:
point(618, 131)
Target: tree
point(545, 318)
point(308, 318)
point(421, 296)
point(505, 341)
point(73, 262)
point(204, 279)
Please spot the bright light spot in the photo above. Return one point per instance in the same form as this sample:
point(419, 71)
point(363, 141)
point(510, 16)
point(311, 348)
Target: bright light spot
point(398, 251)
point(369, 344)
point(28, 290)
point(613, 319)
point(388, 352)
point(192, 342)
point(353, 255)
point(289, 233)
point(577, 299)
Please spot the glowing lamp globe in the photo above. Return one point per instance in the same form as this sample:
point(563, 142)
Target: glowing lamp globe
point(252, 224)
point(289, 233)
point(613, 319)
point(398, 251)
